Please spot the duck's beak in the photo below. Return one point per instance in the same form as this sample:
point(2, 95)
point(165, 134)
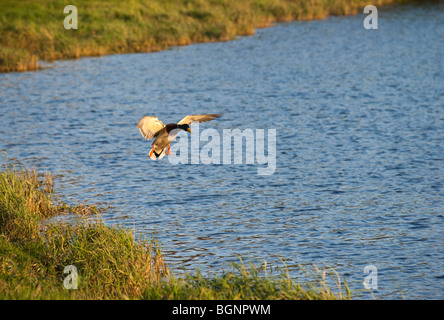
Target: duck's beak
point(189, 130)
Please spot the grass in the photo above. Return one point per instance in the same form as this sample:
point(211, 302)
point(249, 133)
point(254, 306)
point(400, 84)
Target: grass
point(249, 282)
point(33, 30)
point(111, 264)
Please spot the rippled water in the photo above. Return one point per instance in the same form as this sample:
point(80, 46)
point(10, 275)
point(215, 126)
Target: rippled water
point(359, 116)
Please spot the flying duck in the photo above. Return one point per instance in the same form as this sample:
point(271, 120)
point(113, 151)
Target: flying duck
point(151, 127)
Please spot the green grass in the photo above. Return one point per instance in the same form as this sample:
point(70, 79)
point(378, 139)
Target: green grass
point(34, 254)
point(111, 264)
point(33, 30)
point(250, 282)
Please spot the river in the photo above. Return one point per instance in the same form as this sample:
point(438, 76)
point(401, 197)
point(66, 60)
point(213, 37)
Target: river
point(358, 117)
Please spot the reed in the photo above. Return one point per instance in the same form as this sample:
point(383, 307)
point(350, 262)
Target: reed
point(251, 282)
point(111, 264)
point(33, 30)
point(34, 251)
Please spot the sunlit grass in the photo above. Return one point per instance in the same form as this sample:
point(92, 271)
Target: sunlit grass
point(110, 262)
point(33, 255)
point(34, 30)
point(251, 282)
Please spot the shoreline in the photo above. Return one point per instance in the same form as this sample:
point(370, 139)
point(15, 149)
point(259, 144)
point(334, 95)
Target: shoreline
point(41, 260)
point(31, 34)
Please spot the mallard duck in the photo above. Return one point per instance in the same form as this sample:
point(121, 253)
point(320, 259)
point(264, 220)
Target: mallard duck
point(151, 127)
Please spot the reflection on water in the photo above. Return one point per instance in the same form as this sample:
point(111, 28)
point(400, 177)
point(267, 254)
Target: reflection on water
point(359, 168)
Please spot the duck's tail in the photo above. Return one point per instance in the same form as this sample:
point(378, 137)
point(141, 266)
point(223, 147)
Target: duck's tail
point(153, 155)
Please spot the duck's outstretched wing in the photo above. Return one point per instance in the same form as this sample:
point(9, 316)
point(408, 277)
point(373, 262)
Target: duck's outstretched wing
point(149, 126)
point(198, 118)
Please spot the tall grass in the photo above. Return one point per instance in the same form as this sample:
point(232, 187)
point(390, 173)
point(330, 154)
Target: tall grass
point(33, 30)
point(34, 254)
point(251, 282)
point(111, 264)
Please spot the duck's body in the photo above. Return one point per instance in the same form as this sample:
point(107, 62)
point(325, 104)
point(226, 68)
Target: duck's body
point(163, 138)
point(151, 127)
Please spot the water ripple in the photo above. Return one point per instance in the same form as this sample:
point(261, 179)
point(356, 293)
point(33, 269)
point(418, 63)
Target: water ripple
point(360, 130)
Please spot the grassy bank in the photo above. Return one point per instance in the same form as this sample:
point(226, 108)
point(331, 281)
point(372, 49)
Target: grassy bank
point(34, 30)
point(111, 264)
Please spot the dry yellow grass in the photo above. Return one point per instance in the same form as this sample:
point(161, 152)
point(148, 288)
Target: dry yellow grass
point(33, 30)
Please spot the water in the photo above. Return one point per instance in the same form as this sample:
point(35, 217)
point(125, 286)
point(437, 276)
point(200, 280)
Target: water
point(359, 116)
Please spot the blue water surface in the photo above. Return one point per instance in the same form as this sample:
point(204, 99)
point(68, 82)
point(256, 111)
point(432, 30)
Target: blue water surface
point(359, 120)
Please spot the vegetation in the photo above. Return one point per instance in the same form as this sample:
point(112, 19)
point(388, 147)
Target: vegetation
point(111, 264)
point(33, 30)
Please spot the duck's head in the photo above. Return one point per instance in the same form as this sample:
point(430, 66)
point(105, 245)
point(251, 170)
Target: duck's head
point(184, 127)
